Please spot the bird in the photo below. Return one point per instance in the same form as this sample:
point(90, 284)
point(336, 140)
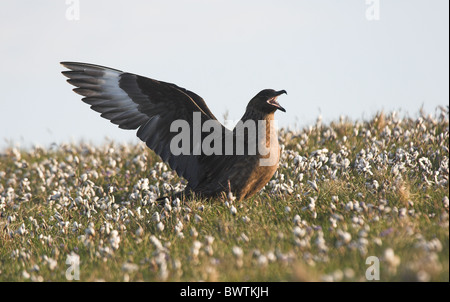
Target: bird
point(135, 102)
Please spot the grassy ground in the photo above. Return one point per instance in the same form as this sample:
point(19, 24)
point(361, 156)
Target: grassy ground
point(344, 192)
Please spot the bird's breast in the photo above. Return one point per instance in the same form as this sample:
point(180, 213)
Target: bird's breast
point(257, 170)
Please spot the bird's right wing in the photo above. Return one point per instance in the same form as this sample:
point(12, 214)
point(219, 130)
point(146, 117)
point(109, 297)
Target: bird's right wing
point(132, 101)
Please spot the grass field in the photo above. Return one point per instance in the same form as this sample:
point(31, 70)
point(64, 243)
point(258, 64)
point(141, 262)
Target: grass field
point(344, 192)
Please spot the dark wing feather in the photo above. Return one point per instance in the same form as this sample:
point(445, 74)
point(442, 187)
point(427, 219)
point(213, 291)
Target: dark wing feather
point(135, 102)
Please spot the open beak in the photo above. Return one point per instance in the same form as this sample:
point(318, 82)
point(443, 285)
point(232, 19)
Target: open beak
point(273, 101)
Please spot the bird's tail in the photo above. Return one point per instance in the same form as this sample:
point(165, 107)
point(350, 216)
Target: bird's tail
point(183, 195)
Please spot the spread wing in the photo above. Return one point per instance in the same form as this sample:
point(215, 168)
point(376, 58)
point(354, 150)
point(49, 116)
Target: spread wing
point(135, 102)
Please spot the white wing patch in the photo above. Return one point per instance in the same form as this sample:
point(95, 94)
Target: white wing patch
point(100, 88)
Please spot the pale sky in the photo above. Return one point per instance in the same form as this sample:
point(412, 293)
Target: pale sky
point(328, 56)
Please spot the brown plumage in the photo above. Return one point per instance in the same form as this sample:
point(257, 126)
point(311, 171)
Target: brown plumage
point(135, 102)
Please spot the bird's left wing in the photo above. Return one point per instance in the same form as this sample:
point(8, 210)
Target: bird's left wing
point(132, 101)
